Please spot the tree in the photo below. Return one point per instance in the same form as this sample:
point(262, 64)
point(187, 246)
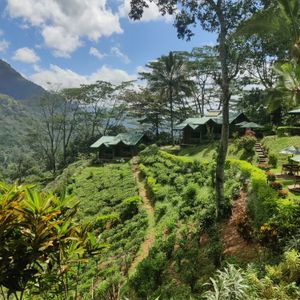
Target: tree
point(279, 20)
point(148, 107)
point(101, 108)
point(204, 69)
point(218, 16)
point(169, 75)
point(69, 119)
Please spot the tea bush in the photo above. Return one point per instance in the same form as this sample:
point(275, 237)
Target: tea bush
point(108, 197)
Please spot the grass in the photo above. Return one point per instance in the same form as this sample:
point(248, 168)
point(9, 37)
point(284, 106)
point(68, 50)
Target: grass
point(275, 144)
point(208, 151)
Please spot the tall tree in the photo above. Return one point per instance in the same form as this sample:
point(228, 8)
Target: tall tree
point(169, 75)
point(148, 107)
point(222, 17)
point(278, 22)
point(204, 68)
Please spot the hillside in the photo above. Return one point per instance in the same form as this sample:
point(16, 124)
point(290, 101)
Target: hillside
point(166, 243)
point(15, 123)
point(15, 85)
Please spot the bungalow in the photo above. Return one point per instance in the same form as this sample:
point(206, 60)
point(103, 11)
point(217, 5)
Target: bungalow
point(124, 145)
point(197, 130)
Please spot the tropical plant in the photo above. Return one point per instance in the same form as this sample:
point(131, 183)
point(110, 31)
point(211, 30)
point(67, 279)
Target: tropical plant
point(39, 242)
point(169, 75)
point(228, 284)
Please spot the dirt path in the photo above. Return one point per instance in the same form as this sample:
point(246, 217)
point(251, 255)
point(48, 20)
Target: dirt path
point(233, 242)
point(150, 233)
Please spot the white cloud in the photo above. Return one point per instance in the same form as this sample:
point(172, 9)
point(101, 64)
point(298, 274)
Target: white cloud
point(95, 52)
point(57, 78)
point(63, 23)
point(4, 44)
point(150, 14)
point(26, 55)
point(118, 53)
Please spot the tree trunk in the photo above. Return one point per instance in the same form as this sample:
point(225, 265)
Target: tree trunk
point(172, 117)
point(225, 97)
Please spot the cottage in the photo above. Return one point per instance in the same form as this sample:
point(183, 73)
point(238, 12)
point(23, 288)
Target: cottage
point(124, 145)
point(198, 130)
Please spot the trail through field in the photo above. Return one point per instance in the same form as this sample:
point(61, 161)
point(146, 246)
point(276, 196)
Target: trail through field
point(233, 243)
point(147, 206)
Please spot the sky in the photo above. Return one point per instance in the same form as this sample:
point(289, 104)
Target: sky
point(64, 43)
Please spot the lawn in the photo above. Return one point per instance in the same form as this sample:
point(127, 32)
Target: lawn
point(275, 144)
point(208, 151)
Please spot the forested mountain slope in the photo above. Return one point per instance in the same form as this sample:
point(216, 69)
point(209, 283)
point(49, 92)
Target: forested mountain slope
point(15, 85)
point(15, 122)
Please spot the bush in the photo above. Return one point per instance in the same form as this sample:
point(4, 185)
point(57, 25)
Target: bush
point(276, 185)
point(247, 143)
point(283, 193)
point(190, 193)
point(273, 159)
point(288, 130)
point(270, 176)
point(129, 207)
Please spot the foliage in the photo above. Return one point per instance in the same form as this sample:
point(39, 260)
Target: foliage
point(274, 219)
point(181, 191)
point(270, 176)
point(108, 199)
point(228, 284)
point(287, 130)
point(169, 77)
point(40, 243)
point(246, 142)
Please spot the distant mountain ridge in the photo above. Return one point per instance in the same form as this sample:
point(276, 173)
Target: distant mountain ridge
point(15, 85)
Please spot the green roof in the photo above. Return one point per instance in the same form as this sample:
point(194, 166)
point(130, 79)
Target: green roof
point(195, 122)
point(129, 139)
point(251, 125)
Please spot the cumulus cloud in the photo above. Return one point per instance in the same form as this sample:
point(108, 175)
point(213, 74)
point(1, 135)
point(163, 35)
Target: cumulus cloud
point(118, 53)
point(26, 55)
point(63, 24)
point(150, 14)
point(4, 44)
point(95, 52)
point(58, 78)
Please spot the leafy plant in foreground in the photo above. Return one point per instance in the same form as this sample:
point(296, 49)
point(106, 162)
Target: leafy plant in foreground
point(39, 242)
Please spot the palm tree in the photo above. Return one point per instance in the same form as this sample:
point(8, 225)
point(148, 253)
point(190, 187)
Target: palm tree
point(280, 22)
point(169, 75)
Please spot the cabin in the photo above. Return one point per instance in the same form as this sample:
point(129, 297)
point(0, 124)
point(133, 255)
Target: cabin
point(199, 130)
point(122, 146)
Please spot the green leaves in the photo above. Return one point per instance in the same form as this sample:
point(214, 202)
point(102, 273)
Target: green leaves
point(39, 240)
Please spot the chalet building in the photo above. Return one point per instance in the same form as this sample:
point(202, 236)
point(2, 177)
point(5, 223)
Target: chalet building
point(199, 130)
point(124, 145)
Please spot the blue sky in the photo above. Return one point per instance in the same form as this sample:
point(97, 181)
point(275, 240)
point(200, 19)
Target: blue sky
point(63, 43)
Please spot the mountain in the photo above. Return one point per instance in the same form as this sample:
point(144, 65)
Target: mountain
point(15, 85)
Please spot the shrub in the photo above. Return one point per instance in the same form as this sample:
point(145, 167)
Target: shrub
point(288, 130)
point(246, 142)
point(190, 193)
point(244, 228)
point(160, 210)
point(273, 159)
point(276, 185)
point(228, 284)
point(270, 176)
point(283, 193)
point(129, 207)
